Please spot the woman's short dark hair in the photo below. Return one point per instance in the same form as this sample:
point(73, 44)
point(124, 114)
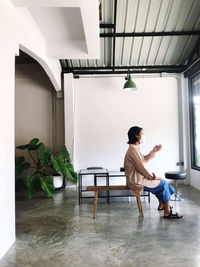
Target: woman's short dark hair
point(133, 131)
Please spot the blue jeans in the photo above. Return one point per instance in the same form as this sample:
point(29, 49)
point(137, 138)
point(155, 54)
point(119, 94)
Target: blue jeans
point(163, 191)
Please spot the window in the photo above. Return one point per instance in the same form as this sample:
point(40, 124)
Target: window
point(195, 120)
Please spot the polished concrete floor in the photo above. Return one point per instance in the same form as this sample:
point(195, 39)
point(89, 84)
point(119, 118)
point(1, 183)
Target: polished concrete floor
point(59, 232)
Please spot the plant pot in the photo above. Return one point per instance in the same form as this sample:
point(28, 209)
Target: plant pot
point(59, 182)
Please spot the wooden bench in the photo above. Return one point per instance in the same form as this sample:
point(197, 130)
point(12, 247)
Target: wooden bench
point(96, 189)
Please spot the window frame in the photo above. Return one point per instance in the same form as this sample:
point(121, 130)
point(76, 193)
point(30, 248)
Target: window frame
point(191, 116)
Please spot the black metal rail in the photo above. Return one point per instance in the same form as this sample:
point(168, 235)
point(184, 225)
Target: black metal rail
point(106, 25)
point(151, 34)
point(124, 69)
point(114, 32)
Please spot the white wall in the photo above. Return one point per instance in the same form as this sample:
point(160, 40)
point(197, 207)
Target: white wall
point(104, 113)
point(70, 27)
point(17, 28)
point(7, 188)
point(195, 178)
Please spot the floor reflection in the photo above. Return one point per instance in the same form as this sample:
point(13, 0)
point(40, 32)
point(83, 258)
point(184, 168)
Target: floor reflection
point(58, 231)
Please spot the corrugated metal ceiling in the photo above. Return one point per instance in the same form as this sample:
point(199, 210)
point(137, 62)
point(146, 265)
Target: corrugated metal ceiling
point(179, 20)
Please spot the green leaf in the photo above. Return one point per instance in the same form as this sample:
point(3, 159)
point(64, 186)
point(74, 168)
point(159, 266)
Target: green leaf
point(75, 177)
point(73, 174)
point(69, 167)
point(33, 144)
point(58, 164)
point(20, 165)
point(18, 170)
point(36, 182)
point(65, 153)
point(19, 160)
point(41, 148)
point(26, 165)
point(68, 174)
point(64, 168)
point(29, 183)
point(33, 184)
point(47, 156)
point(47, 185)
point(44, 157)
point(23, 147)
point(46, 164)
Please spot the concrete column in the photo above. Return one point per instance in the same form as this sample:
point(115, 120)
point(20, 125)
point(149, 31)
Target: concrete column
point(186, 128)
point(7, 188)
point(69, 113)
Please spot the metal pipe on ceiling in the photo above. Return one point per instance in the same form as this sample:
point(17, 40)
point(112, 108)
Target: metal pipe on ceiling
point(125, 67)
point(146, 34)
point(106, 25)
point(114, 32)
point(136, 75)
point(170, 70)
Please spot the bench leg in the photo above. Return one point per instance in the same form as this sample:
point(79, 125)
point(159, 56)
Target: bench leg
point(140, 206)
point(95, 204)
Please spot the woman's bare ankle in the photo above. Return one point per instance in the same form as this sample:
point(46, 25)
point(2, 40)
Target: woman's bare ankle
point(166, 209)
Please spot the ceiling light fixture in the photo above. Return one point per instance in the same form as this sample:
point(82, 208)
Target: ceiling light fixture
point(130, 84)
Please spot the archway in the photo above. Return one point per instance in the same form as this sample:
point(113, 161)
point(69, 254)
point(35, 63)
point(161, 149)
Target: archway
point(39, 113)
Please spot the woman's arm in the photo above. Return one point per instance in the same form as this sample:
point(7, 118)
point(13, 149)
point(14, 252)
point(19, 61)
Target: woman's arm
point(152, 153)
point(149, 156)
point(140, 166)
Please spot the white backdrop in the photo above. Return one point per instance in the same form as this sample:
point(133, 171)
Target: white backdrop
point(104, 114)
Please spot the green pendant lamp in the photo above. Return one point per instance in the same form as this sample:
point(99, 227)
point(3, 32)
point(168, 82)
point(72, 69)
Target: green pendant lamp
point(129, 85)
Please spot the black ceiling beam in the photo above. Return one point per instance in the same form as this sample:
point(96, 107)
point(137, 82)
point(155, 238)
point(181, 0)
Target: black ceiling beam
point(125, 72)
point(142, 69)
point(114, 33)
point(106, 25)
point(146, 34)
point(71, 69)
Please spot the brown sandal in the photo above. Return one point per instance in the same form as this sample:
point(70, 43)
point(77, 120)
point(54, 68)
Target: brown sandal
point(173, 216)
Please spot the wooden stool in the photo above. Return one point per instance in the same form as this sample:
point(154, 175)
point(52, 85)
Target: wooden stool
point(96, 189)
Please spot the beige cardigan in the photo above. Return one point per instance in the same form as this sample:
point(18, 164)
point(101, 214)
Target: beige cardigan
point(137, 175)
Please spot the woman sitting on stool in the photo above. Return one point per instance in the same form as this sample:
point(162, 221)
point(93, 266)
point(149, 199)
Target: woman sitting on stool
point(138, 177)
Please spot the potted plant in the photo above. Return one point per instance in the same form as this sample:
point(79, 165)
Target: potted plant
point(44, 165)
point(20, 166)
